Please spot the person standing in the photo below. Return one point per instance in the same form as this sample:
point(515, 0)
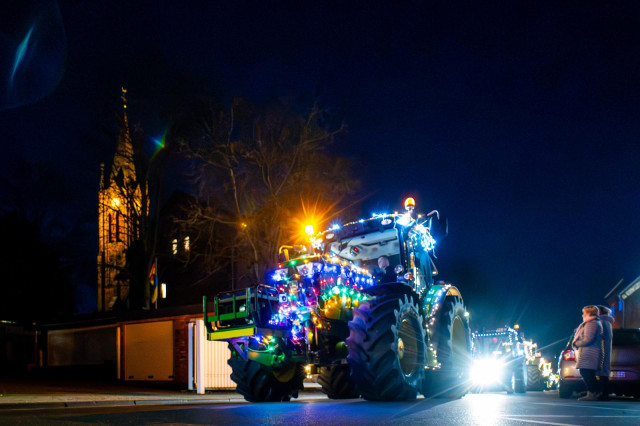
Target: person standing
point(607, 337)
point(587, 342)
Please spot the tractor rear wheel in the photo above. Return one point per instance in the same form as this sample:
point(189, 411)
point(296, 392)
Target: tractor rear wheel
point(534, 378)
point(451, 339)
point(336, 383)
point(258, 383)
point(387, 348)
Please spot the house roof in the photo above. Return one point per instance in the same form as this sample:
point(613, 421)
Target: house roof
point(611, 292)
point(630, 289)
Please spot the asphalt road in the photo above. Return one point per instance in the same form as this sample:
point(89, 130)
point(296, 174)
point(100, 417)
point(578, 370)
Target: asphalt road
point(313, 408)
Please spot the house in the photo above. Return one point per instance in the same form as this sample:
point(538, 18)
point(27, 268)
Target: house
point(625, 304)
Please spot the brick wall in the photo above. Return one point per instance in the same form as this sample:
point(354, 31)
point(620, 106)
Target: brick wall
point(181, 349)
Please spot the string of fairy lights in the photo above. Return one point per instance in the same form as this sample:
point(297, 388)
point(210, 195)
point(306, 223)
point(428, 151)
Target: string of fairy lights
point(316, 286)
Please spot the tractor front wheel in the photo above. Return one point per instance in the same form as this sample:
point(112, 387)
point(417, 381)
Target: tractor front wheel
point(519, 384)
point(259, 383)
point(387, 348)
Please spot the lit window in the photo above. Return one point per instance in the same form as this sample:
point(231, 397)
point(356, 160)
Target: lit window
point(186, 243)
point(163, 290)
point(174, 246)
point(119, 219)
point(112, 228)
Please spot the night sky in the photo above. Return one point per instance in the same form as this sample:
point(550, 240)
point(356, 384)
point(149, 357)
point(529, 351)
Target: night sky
point(518, 120)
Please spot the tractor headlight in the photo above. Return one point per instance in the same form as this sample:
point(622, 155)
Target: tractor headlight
point(486, 371)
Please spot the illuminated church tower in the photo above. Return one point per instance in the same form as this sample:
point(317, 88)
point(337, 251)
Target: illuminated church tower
point(119, 218)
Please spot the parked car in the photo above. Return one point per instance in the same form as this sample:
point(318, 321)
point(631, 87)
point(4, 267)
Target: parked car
point(625, 366)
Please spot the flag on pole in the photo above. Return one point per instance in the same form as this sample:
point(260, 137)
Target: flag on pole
point(153, 281)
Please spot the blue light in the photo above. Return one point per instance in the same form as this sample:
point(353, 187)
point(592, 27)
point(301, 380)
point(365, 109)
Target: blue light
point(21, 53)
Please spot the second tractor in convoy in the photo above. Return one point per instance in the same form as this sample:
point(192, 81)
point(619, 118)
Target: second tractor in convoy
point(499, 361)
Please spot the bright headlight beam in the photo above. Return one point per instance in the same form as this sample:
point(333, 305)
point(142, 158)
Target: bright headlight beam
point(486, 371)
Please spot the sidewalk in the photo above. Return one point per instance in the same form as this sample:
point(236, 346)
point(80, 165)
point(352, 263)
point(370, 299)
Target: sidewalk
point(38, 393)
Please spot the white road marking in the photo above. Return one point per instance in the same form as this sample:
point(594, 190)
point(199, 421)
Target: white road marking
point(598, 407)
point(538, 422)
point(566, 415)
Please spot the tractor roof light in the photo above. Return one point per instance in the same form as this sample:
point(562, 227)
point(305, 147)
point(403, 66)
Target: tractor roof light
point(409, 204)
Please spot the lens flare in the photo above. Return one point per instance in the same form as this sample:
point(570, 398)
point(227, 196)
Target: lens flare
point(159, 143)
point(20, 53)
point(34, 47)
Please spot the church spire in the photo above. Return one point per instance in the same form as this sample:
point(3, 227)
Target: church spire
point(120, 210)
point(123, 160)
point(123, 96)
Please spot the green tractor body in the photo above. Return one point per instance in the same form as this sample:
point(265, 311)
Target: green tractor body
point(382, 336)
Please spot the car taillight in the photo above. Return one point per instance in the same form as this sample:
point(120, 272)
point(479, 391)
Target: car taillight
point(568, 355)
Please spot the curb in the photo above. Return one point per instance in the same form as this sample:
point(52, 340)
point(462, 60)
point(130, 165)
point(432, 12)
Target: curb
point(17, 406)
point(112, 403)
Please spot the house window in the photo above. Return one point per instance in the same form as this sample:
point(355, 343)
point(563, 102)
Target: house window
point(174, 246)
point(187, 243)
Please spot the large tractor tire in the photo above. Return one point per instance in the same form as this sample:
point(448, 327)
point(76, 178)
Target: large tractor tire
point(258, 383)
point(451, 339)
point(535, 381)
point(387, 348)
point(519, 384)
point(336, 383)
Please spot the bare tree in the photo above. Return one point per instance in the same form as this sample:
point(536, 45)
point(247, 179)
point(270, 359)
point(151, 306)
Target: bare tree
point(255, 171)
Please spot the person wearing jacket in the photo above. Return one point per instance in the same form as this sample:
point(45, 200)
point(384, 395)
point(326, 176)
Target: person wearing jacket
point(587, 342)
point(607, 336)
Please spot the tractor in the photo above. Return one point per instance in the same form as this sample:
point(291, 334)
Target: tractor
point(534, 364)
point(499, 361)
point(327, 306)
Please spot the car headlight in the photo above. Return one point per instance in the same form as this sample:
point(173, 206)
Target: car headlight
point(485, 371)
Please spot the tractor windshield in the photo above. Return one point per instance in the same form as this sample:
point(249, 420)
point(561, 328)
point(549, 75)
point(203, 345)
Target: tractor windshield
point(365, 249)
point(491, 346)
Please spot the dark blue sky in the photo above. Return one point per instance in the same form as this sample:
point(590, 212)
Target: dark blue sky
point(517, 120)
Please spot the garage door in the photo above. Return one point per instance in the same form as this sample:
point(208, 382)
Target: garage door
point(148, 351)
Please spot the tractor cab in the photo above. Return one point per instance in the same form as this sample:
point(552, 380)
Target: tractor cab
point(405, 239)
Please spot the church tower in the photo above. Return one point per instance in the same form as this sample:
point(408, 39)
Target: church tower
point(119, 218)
